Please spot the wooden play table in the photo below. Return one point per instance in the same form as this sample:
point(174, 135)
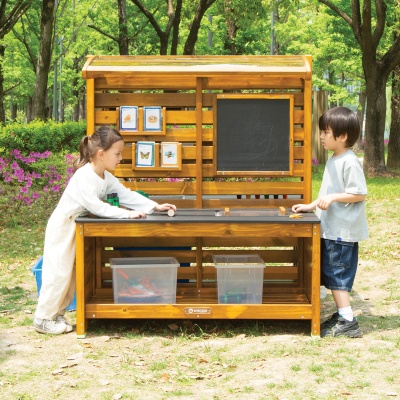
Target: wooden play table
point(296, 297)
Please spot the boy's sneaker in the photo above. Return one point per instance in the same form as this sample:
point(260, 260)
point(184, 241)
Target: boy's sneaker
point(343, 327)
point(330, 322)
point(61, 318)
point(49, 326)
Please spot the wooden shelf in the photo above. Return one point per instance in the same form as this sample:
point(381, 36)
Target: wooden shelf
point(157, 161)
point(141, 131)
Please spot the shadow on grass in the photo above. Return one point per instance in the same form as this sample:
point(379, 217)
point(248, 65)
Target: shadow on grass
point(197, 329)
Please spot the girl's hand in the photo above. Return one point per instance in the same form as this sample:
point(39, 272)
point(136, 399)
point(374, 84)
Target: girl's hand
point(136, 214)
point(165, 207)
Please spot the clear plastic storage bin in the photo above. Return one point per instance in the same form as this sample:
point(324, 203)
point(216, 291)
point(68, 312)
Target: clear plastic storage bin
point(144, 280)
point(239, 278)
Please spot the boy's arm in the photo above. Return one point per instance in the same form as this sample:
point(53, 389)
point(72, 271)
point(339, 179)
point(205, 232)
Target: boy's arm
point(325, 201)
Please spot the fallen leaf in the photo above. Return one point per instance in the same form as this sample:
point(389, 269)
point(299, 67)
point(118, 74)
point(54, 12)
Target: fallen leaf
point(185, 364)
point(164, 378)
point(69, 365)
point(75, 356)
point(57, 372)
point(173, 327)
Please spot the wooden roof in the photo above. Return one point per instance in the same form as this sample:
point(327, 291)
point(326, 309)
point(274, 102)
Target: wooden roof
point(196, 66)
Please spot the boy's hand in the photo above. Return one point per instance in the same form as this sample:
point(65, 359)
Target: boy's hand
point(325, 201)
point(301, 208)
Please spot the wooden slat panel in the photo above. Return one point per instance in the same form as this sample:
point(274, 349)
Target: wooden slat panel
point(169, 100)
point(187, 171)
point(250, 203)
point(186, 117)
point(218, 229)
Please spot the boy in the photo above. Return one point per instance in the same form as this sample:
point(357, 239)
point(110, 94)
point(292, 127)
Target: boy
point(341, 208)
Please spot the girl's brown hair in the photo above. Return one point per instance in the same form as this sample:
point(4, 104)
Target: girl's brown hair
point(102, 139)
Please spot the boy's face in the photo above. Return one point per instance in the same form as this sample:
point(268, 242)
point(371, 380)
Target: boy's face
point(338, 144)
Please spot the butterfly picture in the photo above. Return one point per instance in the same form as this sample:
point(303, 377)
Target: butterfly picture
point(145, 154)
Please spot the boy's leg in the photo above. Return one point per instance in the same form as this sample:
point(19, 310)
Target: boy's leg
point(342, 300)
point(338, 269)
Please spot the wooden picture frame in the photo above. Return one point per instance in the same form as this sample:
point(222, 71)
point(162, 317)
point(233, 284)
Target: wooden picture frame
point(128, 118)
point(145, 154)
point(171, 155)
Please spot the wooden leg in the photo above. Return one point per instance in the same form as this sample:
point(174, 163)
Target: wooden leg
point(80, 283)
point(316, 281)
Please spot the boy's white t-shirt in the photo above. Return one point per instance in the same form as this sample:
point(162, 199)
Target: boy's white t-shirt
point(344, 221)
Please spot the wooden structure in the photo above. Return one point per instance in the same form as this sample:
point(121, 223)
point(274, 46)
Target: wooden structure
point(187, 90)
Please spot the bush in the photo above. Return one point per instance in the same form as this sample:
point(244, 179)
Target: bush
point(39, 136)
point(23, 180)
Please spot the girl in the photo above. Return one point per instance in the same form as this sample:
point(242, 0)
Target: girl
point(89, 185)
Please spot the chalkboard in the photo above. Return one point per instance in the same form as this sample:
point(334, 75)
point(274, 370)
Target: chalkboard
point(254, 134)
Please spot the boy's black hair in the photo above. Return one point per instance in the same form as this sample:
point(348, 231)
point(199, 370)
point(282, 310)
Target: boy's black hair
point(341, 120)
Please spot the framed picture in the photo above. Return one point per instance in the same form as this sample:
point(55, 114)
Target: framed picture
point(152, 118)
point(145, 154)
point(128, 118)
point(171, 154)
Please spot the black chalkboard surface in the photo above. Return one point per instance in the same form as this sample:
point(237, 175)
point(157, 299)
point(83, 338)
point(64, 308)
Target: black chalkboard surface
point(254, 134)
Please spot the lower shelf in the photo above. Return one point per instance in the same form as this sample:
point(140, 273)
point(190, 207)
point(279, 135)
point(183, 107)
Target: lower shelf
point(274, 306)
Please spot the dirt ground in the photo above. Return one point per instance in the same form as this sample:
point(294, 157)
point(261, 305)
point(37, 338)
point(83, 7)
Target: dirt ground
point(184, 360)
point(196, 360)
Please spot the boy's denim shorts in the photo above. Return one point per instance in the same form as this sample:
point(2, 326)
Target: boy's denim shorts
point(339, 262)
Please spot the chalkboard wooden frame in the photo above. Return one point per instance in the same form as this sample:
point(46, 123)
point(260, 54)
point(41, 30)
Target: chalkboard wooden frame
point(238, 119)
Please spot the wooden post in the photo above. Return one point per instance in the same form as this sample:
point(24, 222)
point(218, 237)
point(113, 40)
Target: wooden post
point(199, 143)
point(90, 125)
point(320, 105)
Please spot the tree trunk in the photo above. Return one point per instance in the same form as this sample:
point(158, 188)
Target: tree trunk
point(374, 152)
point(191, 40)
point(123, 37)
point(175, 28)
point(2, 111)
point(360, 113)
point(29, 110)
point(231, 27)
point(393, 160)
point(43, 65)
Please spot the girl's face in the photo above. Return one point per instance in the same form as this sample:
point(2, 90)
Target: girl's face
point(112, 157)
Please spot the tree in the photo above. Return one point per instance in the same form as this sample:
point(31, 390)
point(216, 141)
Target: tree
point(10, 13)
point(44, 59)
point(368, 26)
point(393, 159)
point(173, 23)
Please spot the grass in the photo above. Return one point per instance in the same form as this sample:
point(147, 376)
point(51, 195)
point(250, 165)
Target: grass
point(207, 359)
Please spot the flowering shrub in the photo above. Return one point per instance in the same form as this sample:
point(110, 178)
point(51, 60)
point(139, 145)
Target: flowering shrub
point(24, 179)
